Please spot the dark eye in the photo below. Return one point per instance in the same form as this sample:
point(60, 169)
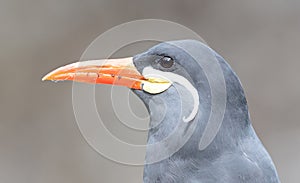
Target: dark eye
point(166, 62)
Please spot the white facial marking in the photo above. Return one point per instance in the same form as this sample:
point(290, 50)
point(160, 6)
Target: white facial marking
point(174, 78)
point(155, 88)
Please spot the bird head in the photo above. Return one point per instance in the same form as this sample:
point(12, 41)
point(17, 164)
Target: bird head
point(163, 77)
point(186, 87)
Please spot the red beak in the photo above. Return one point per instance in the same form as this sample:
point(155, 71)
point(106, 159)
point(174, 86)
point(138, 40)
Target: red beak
point(110, 71)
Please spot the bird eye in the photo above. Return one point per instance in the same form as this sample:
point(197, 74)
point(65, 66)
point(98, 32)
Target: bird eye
point(166, 62)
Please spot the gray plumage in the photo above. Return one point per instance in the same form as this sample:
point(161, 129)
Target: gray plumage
point(235, 155)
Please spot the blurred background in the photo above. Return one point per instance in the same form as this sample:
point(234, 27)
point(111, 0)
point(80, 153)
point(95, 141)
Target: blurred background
point(39, 138)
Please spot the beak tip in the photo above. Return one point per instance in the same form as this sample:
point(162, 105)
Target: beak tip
point(51, 75)
point(46, 77)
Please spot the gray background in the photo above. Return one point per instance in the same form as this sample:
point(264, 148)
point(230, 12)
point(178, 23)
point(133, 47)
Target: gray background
point(39, 138)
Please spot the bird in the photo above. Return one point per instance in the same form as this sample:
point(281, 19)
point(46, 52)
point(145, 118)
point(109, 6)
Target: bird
point(179, 97)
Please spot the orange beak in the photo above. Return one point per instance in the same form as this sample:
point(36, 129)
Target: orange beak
point(120, 72)
point(110, 71)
